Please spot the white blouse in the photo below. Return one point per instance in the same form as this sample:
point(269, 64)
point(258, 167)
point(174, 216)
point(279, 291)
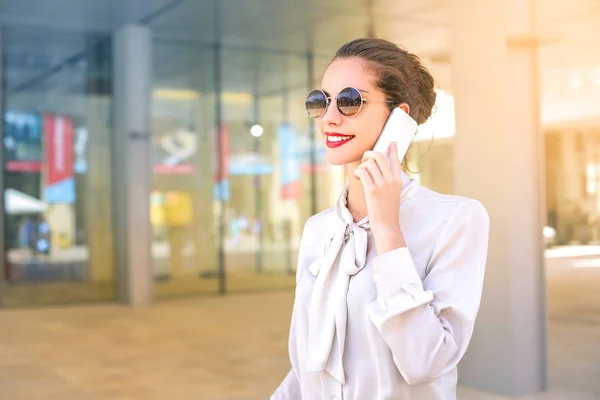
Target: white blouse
point(389, 326)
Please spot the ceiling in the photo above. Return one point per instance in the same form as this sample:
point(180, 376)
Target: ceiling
point(47, 39)
point(65, 44)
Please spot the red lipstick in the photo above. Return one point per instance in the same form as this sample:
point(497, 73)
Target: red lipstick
point(334, 139)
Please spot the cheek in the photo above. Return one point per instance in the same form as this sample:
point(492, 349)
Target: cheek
point(319, 124)
point(368, 129)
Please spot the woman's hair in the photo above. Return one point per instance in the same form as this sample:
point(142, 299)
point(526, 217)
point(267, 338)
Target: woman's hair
point(398, 74)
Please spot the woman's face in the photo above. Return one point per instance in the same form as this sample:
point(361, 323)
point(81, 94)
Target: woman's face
point(347, 138)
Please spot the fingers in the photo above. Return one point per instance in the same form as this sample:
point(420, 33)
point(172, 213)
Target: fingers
point(395, 163)
point(374, 172)
point(381, 162)
point(365, 179)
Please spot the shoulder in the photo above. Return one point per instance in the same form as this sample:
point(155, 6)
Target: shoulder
point(449, 228)
point(314, 239)
point(449, 212)
point(315, 229)
point(320, 220)
point(448, 203)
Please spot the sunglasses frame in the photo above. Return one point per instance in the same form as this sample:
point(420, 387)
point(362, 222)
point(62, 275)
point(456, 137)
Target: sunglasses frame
point(328, 100)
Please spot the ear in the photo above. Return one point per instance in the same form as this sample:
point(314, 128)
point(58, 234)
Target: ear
point(405, 107)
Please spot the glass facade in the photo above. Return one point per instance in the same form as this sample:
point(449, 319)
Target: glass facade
point(183, 213)
point(237, 165)
point(211, 234)
point(56, 168)
point(239, 231)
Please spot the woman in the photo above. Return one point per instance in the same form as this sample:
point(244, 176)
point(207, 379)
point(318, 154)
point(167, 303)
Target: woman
point(389, 281)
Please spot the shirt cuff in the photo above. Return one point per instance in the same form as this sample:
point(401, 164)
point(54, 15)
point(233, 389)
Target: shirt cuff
point(397, 281)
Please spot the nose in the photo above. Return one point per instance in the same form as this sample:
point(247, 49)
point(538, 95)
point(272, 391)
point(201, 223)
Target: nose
point(332, 116)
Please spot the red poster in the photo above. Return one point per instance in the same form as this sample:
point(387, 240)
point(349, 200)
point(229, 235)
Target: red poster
point(224, 154)
point(58, 159)
point(221, 188)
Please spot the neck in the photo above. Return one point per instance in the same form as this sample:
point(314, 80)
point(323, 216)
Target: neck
point(357, 204)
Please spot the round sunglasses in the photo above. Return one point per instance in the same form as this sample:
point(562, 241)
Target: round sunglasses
point(349, 102)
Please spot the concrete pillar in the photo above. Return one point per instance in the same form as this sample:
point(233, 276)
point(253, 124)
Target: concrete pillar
point(498, 159)
point(132, 65)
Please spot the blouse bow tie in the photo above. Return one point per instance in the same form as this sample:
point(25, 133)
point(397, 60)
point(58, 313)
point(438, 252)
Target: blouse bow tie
point(328, 311)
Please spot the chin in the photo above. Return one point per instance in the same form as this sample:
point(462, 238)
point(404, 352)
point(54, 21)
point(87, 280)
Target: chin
point(337, 157)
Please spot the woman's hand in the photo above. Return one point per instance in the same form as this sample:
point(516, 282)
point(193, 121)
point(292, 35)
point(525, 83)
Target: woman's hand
point(382, 184)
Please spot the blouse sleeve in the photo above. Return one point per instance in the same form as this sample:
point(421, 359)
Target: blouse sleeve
point(428, 324)
point(289, 389)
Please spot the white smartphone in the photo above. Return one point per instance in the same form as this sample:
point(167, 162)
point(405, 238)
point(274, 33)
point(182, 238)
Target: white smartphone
point(399, 128)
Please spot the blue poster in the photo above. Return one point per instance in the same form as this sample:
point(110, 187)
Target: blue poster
point(222, 191)
point(291, 175)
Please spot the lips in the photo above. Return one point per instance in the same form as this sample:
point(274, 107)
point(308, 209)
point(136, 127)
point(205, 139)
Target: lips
point(334, 140)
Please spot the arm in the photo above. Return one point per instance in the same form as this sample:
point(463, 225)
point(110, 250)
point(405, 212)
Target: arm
point(428, 325)
point(289, 388)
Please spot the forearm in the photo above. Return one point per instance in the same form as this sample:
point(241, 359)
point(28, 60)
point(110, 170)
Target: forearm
point(388, 239)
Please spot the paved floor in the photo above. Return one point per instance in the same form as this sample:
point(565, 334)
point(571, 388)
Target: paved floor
point(194, 280)
point(234, 348)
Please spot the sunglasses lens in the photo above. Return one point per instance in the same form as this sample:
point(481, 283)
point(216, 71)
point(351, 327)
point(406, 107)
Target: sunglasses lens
point(349, 102)
point(316, 104)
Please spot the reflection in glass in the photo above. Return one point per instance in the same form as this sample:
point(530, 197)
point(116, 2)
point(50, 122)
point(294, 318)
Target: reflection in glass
point(56, 140)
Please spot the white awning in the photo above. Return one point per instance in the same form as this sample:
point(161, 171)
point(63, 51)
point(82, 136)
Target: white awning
point(17, 202)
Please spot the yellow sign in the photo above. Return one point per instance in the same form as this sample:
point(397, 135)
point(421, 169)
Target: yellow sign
point(178, 209)
point(157, 209)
